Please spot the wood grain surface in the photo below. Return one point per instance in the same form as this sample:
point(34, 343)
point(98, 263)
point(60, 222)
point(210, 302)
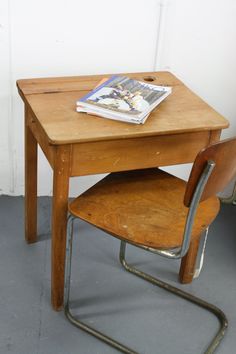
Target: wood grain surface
point(223, 154)
point(144, 207)
point(53, 102)
point(78, 144)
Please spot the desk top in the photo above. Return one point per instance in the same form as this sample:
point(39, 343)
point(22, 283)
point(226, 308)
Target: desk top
point(53, 103)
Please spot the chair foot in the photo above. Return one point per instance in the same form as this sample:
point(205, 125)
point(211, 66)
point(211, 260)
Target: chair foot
point(189, 297)
point(108, 340)
point(72, 319)
point(122, 348)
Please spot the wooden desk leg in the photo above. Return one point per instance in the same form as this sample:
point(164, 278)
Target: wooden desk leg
point(59, 222)
point(31, 157)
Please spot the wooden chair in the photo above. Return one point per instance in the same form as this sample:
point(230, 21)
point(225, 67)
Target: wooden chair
point(158, 212)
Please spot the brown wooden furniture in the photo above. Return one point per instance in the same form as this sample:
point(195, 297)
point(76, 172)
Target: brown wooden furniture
point(160, 213)
point(77, 144)
point(143, 207)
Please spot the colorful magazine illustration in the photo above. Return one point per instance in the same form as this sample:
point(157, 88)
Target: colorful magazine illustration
point(122, 98)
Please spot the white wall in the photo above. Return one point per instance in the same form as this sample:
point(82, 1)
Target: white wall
point(5, 98)
point(51, 38)
point(202, 52)
point(58, 37)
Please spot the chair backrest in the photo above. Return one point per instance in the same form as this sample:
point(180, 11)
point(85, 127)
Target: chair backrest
point(223, 154)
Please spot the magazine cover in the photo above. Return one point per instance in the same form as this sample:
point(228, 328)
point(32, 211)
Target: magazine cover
point(123, 95)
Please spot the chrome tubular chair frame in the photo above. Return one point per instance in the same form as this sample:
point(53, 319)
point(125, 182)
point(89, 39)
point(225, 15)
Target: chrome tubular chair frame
point(189, 297)
point(231, 199)
point(67, 311)
point(179, 253)
point(201, 254)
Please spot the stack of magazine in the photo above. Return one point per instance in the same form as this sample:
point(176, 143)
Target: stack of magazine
point(124, 99)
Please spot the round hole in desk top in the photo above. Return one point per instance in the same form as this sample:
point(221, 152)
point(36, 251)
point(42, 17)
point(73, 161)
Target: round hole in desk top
point(149, 78)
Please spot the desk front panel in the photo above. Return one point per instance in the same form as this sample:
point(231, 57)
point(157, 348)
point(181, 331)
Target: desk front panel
point(128, 154)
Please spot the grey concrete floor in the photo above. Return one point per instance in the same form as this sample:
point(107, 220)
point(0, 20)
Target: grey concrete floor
point(144, 317)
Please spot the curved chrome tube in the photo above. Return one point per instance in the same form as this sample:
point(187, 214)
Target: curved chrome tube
point(175, 253)
point(181, 251)
point(67, 311)
point(231, 199)
point(189, 297)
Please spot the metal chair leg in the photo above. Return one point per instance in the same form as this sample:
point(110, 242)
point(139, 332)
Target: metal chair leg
point(231, 199)
point(122, 348)
point(209, 307)
point(201, 254)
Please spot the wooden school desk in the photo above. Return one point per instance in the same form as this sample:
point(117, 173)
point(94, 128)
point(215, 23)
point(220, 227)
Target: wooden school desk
point(77, 144)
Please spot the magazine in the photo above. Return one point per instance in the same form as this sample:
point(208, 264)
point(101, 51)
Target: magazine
point(122, 98)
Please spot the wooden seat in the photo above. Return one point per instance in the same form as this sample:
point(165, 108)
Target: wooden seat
point(143, 207)
point(161, 213)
